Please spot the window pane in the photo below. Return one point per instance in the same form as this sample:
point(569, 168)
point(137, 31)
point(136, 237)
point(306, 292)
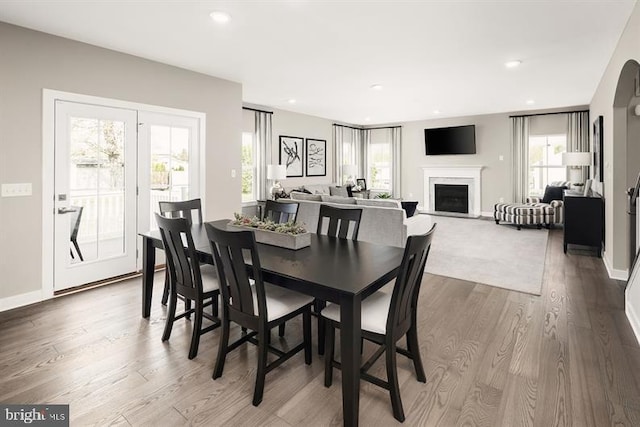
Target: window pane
point(545, 162)
point(380, 166)
point(248, 168)
point(169, 154)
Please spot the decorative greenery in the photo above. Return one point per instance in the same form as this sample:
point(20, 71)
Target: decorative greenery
point(289, 227)
point(383, 196)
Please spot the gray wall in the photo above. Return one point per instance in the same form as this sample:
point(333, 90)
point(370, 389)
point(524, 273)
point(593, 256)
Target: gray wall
point(615, 151)
point(493, 139)
point(32, 61)
point(303, 126)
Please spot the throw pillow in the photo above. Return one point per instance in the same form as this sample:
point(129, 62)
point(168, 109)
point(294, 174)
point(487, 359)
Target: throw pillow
point(338, 191)
point(409, 208)
point(302, 190)
point(552, 193)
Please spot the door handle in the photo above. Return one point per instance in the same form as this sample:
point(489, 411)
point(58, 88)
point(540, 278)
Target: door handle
point(65, 210)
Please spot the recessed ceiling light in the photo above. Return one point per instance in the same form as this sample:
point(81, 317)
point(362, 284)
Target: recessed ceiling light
point(436, 111)
point(513, 64)
point(291, 101)
point(367, 119)
point(530, 102)
point(220, 17)
point(376, 86)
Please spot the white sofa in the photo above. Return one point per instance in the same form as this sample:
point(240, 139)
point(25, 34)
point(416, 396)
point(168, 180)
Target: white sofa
point(382, 221)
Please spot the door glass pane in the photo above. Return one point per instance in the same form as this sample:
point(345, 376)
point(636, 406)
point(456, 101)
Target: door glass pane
point(169, 155)
point(96, 188)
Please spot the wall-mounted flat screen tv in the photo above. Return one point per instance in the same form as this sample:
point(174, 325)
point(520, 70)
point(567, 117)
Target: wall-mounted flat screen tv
point(451, 140)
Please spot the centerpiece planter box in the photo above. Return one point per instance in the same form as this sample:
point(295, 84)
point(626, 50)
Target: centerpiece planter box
point(283, 240)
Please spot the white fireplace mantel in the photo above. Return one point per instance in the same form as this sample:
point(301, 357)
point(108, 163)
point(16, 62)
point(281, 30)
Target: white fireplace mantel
point(469, 175)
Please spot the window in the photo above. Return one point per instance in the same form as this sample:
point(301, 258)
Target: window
point(248, 167)
point(379, 165)
point(545, 161)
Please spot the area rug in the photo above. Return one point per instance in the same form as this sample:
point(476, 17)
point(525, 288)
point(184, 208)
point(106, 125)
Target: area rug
point(479, 250)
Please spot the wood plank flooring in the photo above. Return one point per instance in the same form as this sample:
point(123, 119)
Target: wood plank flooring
point(493, 357)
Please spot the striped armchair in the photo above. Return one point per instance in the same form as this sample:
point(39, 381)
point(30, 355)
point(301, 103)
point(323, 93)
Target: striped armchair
point(556, 206)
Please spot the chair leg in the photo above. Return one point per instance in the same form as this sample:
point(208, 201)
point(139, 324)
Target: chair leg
point(165, 292)
point(306, 333)
point(318, 306)
point(281, 329)
point(187, 307)
point(71, 252)
point(329, 354)
point(197, 327)
point(214, 306)
point(414, 349)
point(394, 387)
point(171, 315)
point(222, 348)
point(262, 366)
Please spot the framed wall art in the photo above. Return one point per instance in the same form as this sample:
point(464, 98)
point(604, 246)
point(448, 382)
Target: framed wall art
point(598, 149)
point(291, 152)
point(316, 157)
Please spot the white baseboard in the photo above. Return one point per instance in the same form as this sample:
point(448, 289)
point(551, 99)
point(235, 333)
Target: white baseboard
point(633, 319)
point(487, 214)
point(16, 301)
point(613, 273)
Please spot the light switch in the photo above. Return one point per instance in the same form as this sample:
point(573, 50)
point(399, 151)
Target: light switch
point(501, 158)
point(16, 190)
point(233, 173)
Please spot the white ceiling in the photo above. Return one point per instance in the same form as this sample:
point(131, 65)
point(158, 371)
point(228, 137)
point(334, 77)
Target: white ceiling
point(428, 55)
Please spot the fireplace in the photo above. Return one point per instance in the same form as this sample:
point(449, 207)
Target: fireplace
point(451, 198)
point(452, 179)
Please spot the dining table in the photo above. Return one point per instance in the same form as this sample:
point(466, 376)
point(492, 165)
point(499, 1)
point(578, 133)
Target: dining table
point(339, 271)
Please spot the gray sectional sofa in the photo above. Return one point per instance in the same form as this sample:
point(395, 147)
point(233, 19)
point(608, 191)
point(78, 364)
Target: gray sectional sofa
point(383, 221)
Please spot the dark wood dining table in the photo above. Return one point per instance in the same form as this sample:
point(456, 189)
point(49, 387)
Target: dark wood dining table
point(336, 270)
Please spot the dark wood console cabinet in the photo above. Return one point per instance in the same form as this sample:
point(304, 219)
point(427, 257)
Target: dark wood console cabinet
point(583, 220)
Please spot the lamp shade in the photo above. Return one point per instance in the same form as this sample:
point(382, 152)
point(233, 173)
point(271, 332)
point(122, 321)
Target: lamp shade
point(349, 170)
point(276, 172)
point(576, 159)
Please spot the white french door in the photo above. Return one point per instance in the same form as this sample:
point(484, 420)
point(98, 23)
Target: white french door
point(94, 192)
point(168, 165)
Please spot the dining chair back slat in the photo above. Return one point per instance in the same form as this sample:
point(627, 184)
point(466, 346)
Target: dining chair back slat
point(183, 209)
point(280, 212)
point(184, 269)
point(340, 221)
point(228, 250)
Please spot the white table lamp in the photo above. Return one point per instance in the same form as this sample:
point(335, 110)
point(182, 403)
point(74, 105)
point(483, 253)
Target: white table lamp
point(576, 160)
point(349, 171)
point(275, 173)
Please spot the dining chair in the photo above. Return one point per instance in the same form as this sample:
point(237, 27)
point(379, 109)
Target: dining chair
point(386, 318)
point(187, 280)
point(254, 304)
point(340, 221)
point(183, 209)
point(280, 212)
point(75, 221)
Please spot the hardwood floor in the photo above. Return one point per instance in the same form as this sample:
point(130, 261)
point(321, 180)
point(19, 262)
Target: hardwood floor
point(492, 357)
